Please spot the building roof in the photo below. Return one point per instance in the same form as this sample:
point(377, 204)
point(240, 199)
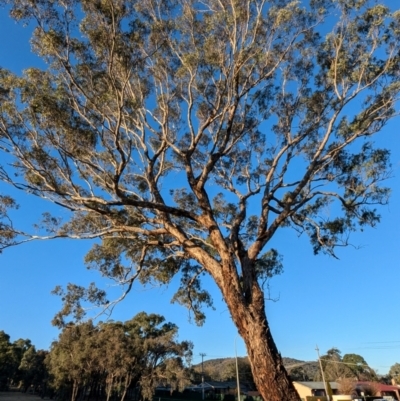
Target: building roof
point(318, 385)
point(217, 384)
point(379, 386)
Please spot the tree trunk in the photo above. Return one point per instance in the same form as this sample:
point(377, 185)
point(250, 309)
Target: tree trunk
point(245, 300)
point(75, 388)
point(127, 383)
point(109, 386)
point(269, 374)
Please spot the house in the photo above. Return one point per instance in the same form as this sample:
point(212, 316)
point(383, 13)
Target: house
point(382, 390)
point(216, 389)
point(311, 389)
point(389, 392)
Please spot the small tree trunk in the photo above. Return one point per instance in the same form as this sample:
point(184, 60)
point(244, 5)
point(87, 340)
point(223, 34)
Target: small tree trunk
point(127, 383)
point(75, 388)
point(109, 387)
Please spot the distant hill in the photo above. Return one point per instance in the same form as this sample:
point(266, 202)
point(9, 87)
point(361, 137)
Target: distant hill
point(224, 369)
point(310, 369)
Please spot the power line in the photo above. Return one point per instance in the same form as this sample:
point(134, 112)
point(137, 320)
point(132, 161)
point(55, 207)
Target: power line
point(345, 363)
point(381, 342)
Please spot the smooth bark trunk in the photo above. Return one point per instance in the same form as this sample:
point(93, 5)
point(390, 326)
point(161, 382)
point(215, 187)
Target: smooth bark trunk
point(127, 383)
point(109, 386)
point(75, 388)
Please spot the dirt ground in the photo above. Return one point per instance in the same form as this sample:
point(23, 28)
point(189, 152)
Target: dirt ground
point(17, 396)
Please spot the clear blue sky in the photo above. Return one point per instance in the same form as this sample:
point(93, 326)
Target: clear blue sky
point(350, 304)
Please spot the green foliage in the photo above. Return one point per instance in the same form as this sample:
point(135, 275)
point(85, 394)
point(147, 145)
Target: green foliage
point(333, 367)
point(352, 366)
point(394, 372)
point(359, 367)
point(224, 369)
point(183, 136)
point(20, 363)
point(7, 360)
point(32, 368)
point(103, 131)
point(298, 374)
point(118, 356)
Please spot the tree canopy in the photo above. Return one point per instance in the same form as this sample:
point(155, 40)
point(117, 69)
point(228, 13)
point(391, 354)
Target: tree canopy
point(106, 361)
point(350, 366)
point(394, 372)
point(20, 363)
point(111, 358)
point(183, 135)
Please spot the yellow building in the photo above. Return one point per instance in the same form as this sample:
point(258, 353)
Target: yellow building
point(311, 389)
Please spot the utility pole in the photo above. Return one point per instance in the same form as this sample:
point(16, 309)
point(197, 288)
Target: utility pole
point(323, 375)
point(202, 354)
point(237, 373)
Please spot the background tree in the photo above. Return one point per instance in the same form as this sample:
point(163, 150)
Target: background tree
point(359, 367)
point(8, 365)
point(225, 370)
point(33, 371)
point(185, 134)
point(350, 366)
point(115, 356)
point(333, 366)
point(244, 369)
point(348, 386)
point(17, 351)
point(11, 355)
point(299, 374)
point(72, 359)
point(394, 372)
point(163, 358)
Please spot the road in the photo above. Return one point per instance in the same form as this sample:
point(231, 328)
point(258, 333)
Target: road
point(17, 396)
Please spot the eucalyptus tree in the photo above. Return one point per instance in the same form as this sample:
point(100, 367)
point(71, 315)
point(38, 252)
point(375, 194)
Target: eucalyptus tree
point(394, 372)
point(11, 355)
point(141, 352)
point(8, 364)
point(163, 358)
point(298, 373)
point(350, 366)
point(118, 358)
point(72, 360)
point(332, 366)
point(33, 371)
point(359, 367)
point(183, 135)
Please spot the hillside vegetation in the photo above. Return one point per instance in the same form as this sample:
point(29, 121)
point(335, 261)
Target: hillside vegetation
point(224, 369)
